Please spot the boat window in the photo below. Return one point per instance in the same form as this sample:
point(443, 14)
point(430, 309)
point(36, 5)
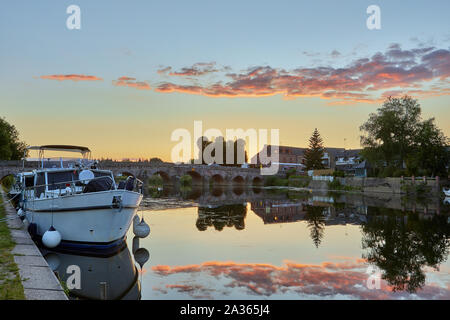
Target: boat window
point(29, 181)
point(40, 184)
point(58, 180)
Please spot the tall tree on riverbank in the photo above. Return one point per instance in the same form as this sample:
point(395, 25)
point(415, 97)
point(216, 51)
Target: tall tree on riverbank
point(11, 148)
point(315, 152)
point(397, 137)
point(389, 133)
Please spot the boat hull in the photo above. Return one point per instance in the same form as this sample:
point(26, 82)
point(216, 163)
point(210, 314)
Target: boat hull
point(91, 218)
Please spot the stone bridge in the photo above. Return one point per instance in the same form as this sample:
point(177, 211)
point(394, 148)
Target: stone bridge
point(217, 195)
point(201, 174)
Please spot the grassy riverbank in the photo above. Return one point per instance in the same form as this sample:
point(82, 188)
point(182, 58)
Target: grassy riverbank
point(10, 284)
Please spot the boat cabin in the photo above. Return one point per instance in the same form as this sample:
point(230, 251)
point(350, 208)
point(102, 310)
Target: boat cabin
point(60, 176)
point(61, 181)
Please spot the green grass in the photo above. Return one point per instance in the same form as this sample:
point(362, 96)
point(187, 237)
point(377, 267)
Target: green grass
point(275, 181)
point(298, 181)
point(10, 284)
point(336, 185)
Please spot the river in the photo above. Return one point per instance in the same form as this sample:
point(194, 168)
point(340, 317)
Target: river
point(238, 243)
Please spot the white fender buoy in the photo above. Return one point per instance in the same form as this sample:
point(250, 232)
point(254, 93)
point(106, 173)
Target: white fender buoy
point(141, 256)
point(26, 223)
point(142, 229)
point(51, 238)
point(52, 260)
point(20, 212)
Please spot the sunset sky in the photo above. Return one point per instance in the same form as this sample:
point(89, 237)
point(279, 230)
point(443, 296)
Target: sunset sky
point(138, 70)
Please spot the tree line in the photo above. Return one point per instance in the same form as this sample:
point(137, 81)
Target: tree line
point(219, 148)
point(396, 141)
point(11, 147)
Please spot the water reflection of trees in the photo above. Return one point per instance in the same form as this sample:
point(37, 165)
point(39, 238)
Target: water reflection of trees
point(403, 244)
point(222, 216)
point(191, 193)
point(316, 223)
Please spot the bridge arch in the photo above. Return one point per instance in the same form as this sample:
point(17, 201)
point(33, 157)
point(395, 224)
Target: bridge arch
point(164, 175)
point(257, 181)
point(196, 177)
point(126, 173)
point(5, 173)
point(238, 180)
point(217, 179)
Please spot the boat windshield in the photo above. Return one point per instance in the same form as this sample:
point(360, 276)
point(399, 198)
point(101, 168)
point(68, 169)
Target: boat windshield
point(64, 162)
point(61, 179)
point(58, 180)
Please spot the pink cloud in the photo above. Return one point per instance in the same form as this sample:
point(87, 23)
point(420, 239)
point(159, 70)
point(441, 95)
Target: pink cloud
point(357, 82)
point(73, 77)
point(198, 69)
point(131, 82)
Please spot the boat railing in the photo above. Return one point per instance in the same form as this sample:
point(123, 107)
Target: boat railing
point(76, 187)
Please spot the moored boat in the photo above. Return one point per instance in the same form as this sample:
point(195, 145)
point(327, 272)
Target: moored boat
point(80, 201)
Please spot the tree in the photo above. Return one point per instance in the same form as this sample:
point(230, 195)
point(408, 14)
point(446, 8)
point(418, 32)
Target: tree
point(237, 147)
point(11, 148)
point(430, 151)
point(396, 137)
point(314, 154)
point(155, 160)
point(202, 143)
point(389, 133)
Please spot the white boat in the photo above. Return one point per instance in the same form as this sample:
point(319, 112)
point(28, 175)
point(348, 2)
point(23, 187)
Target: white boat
point(80, 201)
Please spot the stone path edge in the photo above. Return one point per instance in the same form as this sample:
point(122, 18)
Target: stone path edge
point(38, 280)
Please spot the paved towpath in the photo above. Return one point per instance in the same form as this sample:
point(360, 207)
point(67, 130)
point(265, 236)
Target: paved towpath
point(38, 280)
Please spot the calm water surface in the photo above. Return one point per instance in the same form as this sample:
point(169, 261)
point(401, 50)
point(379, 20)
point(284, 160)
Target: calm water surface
point(260, 244)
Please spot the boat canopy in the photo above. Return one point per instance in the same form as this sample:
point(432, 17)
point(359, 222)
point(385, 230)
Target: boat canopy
point(61, 148)
point(59, 161)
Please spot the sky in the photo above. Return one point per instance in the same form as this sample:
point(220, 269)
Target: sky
point(136, 71)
